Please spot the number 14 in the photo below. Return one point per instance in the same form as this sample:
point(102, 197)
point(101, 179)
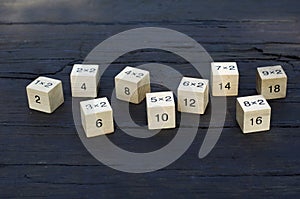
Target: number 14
point(226, 86)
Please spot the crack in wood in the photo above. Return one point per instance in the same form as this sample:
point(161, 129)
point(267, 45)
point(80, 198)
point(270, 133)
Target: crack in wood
point(168, 22)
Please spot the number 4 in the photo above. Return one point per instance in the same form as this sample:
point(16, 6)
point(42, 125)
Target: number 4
point(83, 86)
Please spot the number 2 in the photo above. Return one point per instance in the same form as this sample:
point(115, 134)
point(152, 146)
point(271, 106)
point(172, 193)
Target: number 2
point(37, 99)
point(261, 102)
point(168, 98)
point(200, 85)
point(103, 104)
point(231, 67)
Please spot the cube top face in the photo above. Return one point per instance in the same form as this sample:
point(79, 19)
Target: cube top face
point(85, 70)
point(224, 68)
point(132, 74)
point(162, 99)
point(95, 106)
point(271, 72)
point(43, 84)
point(253, 103)
point(193, 84)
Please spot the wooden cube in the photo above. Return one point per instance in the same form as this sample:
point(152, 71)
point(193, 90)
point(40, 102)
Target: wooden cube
point(132, 84)
point(45, 94)
point(84, 80)
point(271, 82)
point(161, 110)
point(96, 117)
point(192, 95)
point(224, 78)
point(253, 113)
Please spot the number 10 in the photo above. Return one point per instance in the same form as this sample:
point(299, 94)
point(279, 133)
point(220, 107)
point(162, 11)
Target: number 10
point(164, 117)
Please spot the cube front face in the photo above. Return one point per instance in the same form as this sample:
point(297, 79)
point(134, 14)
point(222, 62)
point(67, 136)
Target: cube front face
point(126, 91)
point(193, 95)
point(85, 80)
point(45, 94)
point(271, 82)
point(253, 114)
point(224, 78)
point(96, 117)
point(132, 84)
point(161, 110)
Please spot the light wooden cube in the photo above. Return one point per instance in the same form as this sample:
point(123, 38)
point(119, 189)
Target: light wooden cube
point(96, 117)
point(192, 95)
point(85, 80)
point(253, 113)
point(45, 94)
point(132, 84)
point(161, 110)
point(271, 82)
point(224, 78)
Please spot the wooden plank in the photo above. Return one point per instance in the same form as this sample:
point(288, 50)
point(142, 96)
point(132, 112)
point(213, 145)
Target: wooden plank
point(134, 187)
point(126, 12)
point(51, 145)
point(53, 158)
point(54, 50)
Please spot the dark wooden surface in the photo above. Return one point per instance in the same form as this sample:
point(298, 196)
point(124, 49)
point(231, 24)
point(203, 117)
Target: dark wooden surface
point(42, 156)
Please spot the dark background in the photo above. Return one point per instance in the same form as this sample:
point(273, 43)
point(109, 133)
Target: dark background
point(42, 156)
